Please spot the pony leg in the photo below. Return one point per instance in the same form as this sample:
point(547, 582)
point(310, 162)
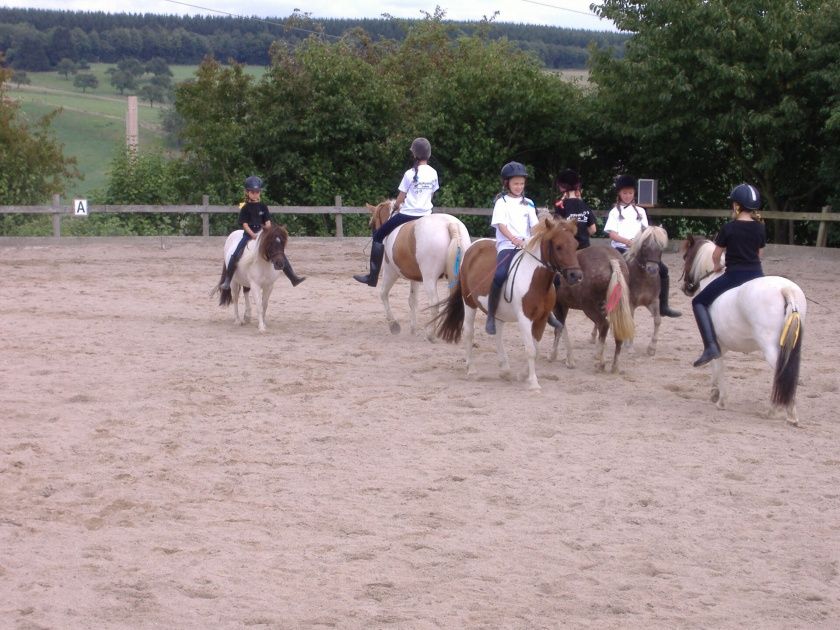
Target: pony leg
point(389, 277)
point(570, 357)
point(615, 369)
point(261, 297)
point(412, 306)
point(234, 296)
point(530, 350)
point(469, 335)
point(719, 392)
point(657, 320)
point(600, 343)
point(431, 291)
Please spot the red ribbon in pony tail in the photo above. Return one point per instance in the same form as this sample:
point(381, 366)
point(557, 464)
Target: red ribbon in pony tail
point(614, 299)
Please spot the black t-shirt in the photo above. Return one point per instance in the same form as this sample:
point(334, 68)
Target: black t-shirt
point(742, 240)
point(576, 210)
point(254, 214)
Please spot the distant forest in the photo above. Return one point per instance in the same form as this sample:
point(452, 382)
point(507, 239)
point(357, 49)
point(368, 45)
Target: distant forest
point(37, 39)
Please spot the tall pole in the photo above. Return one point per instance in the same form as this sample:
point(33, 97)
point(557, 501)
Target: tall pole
point(131, 134)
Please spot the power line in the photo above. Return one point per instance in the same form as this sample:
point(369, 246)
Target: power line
point(554, 6)
point(256, 19)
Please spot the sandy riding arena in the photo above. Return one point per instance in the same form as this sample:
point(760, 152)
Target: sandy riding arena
point(163, 468)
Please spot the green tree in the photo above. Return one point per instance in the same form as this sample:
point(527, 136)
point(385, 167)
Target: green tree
point(85, 81)
point(32, 166)
point(722, 92)
point(66, 67)
point(152, 93)
point(19, 77)
point(123, 81)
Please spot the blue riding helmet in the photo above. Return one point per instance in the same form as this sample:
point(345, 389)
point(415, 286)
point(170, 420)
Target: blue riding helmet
point(253, 183)
point(747, 196)
point(514, 169)
point(567, 179)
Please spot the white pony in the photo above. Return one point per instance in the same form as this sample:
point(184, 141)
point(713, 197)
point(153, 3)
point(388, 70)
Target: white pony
point(421, 251)
point(262, 262)
point(527, 295)
point(765, 314)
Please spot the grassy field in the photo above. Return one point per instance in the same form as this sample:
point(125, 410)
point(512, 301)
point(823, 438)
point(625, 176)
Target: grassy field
point(91, 125)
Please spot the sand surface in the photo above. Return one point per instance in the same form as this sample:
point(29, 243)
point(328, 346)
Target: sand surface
point(162, 468)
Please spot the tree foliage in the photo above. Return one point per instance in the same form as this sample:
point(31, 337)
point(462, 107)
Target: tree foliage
point(32, 166)
point(712, 93)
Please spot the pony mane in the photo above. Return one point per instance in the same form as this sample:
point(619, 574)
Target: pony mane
point(268, 236)
point(655, 232)
point(546, 224)
point(377, 210)
point(703, 263)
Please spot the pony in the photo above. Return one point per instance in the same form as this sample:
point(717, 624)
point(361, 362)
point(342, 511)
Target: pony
point(421, 251)
point(527, 295)
point(765, 314)
point(603, 295)
point(643, 258)
point(262, 262)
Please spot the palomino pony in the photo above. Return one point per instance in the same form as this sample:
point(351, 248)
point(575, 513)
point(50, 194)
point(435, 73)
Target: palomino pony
point(604, 296)
point(262, 262)
point(765, 314)
point(643, 259)
point(421, 251)
point(527, 295)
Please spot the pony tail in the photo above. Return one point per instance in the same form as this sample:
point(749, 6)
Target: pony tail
point(416, 167)
point(756, 215)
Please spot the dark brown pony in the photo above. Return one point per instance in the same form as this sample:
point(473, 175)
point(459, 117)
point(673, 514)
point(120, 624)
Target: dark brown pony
point(603, 296)
point(527, 296)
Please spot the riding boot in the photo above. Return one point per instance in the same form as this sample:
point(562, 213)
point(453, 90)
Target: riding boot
point(711, 350)
point(664, 309)
point(377, 252)
point(492, 305)
point(291, 275)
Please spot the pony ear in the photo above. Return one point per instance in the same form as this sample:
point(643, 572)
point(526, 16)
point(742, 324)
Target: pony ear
point(370, 207)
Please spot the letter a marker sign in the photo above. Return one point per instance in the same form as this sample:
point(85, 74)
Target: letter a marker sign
point(80, 207)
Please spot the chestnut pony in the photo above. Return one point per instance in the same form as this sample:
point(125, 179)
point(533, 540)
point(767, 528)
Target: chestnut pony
point(765, 314)
point(527, 295)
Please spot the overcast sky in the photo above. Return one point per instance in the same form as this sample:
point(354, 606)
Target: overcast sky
point(565, 13)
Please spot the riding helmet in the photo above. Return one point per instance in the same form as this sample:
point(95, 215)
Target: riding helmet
point(514, 169)
point(567, 180)
point(747, 196)
point(253, 183)
point(624, 181)
point(421, 149)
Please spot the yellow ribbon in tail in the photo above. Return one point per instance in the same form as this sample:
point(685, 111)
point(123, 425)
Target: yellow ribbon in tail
point(793, 324)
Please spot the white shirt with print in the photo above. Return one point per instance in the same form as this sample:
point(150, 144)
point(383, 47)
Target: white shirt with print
point(627, 225)
point(418, 194)
point(519, 217)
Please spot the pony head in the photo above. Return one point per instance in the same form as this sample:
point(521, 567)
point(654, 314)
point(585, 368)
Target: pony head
point(646, 249)
point(697, 262)
point(380, 213)
point(557, 245)
point(272, 245)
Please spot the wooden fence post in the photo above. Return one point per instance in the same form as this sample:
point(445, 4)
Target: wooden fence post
point(822, 230)
point(339, 218)
point(56, 217)
point(205, 217)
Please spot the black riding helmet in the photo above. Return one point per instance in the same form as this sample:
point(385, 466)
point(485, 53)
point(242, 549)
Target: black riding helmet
point(747, 196)
point(421, 149)
point(253, 183)
point(514, 169)
point(625, 181)
point(567, 180)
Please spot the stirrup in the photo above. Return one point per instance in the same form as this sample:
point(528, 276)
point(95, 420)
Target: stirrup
point(554, 322)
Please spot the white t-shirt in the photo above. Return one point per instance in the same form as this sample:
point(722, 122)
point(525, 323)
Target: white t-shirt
point(418, 194)
point(627, 224)
point(519, 217)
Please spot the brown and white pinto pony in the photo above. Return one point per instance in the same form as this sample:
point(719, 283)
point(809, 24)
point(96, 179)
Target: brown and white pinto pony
point(527, 295)
point(421, 251)
point(765, 314)
point(261, 264)
point(603, 296)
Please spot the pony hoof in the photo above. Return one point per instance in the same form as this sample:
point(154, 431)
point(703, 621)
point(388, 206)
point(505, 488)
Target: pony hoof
point(651, 351)
point(715, 396)
point(395, 328)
